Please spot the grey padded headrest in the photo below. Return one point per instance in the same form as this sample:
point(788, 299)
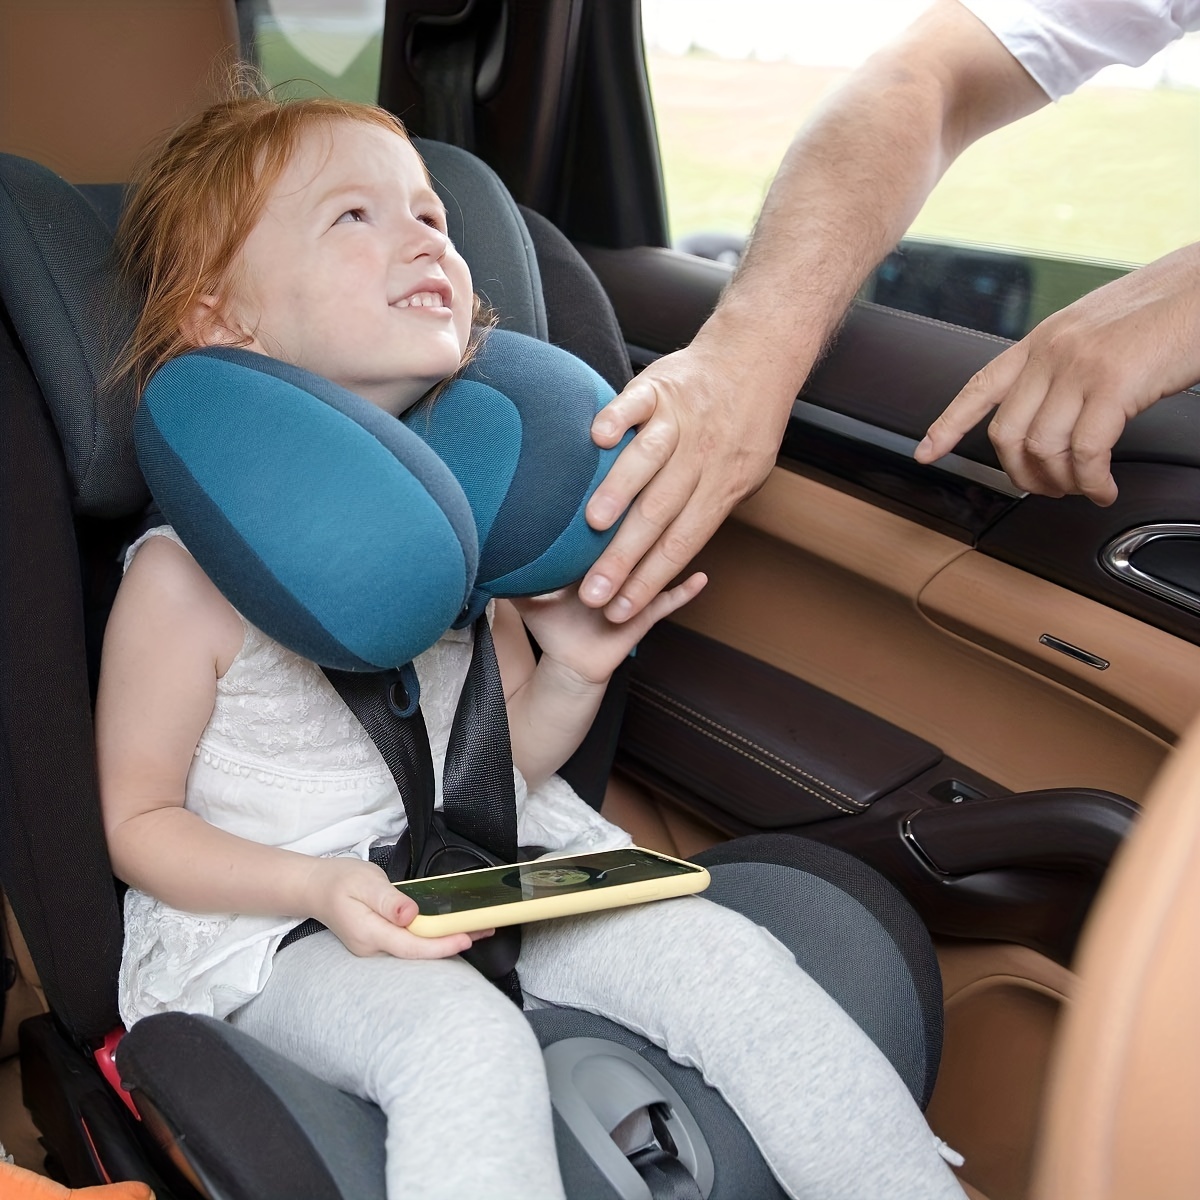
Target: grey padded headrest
point(58, 286)
point(57, 283)
point(490, 233)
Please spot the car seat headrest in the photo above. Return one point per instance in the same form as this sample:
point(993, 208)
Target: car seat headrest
point(489, 231)
point(58, 285)
point(356, 539)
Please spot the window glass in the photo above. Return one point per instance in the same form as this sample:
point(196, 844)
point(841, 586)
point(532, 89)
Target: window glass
point(731, 83)
point(1036, 214)
point(316, 47)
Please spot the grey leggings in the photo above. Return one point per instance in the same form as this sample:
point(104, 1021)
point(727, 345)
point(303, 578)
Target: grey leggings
point(458, 1071)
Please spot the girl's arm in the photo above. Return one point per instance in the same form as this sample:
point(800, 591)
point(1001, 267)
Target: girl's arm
point(171, 635)
point(552, 703)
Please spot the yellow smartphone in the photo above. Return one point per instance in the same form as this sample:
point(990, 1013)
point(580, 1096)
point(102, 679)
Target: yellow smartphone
point(547, 887)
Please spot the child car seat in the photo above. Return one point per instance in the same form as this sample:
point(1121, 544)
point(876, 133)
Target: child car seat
point(215, 1108)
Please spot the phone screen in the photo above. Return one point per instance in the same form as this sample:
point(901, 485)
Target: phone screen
point(529, 881)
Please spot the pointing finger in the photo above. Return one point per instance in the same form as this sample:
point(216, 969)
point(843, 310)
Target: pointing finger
point(983, 392)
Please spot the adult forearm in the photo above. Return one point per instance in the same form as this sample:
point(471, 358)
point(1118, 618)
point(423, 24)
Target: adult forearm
point(179, 858)
point(847, 190)
point(853, 180)
point(849, 186)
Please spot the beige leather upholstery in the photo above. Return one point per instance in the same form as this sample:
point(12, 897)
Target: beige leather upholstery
point(86, 87)
point(1123, 1110)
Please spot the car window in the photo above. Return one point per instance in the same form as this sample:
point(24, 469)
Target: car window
point(316, 47)
point(1026, 221)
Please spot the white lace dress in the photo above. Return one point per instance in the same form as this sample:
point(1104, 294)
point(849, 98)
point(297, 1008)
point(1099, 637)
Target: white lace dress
point(284, 762)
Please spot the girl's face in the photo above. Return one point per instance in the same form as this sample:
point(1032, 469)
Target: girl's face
point(349, 272)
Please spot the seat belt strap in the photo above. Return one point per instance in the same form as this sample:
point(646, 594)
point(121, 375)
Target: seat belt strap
point(659, 1165)
point(385, 704)
point(448, 71)
point(478, 792)
point(665, 1176)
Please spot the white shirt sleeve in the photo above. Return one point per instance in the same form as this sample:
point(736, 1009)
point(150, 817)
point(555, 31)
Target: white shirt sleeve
point(1063, 43)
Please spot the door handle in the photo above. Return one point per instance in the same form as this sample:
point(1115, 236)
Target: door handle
point(1117, 559)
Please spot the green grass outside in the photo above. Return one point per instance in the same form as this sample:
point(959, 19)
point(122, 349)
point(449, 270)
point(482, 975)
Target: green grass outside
point(1107, 174)
point(1105, 177)
point(283, 64)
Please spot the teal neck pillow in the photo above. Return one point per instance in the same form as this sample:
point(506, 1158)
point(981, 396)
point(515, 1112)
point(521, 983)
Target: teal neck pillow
point(357, 539)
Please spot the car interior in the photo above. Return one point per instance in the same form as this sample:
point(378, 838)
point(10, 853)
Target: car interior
point(975, 692)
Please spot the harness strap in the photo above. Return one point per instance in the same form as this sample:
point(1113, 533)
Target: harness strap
point(447, 69)
point(385, 703)
point(659, 1165)
point(665, 1176)
point(478, 795)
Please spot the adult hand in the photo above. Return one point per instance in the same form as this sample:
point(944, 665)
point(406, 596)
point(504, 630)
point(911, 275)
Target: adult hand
point(358, 902)
point(1064, 393)
point(703, 445)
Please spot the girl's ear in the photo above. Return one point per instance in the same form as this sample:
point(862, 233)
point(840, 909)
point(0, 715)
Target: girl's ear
point(204, 324)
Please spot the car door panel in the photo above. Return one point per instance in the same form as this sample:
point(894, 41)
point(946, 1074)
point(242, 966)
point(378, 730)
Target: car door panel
point(1135, 670)
point(867, 575)
point(1064, 540)
point(823, 585)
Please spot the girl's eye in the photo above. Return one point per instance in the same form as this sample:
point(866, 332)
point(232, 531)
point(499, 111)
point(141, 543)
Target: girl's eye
point(351, 215)
point(434, 221)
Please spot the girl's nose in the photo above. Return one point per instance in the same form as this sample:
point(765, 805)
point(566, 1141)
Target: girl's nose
point(426, 240)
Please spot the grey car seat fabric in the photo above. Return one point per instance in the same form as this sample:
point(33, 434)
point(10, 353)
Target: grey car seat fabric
point(56, 278)
point(579, 317)
point(488, 230)
point(329, 1146)
point(845, 924)
point(57, 268)
point(843, 918)
point(69, 497)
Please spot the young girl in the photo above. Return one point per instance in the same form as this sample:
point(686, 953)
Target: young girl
point(240, 796)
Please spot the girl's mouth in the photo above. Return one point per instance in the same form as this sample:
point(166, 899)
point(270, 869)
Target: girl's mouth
point(421, 300)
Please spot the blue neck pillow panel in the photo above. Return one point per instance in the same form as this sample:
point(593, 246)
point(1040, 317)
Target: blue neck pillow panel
point(357, 539)
point(515, 430)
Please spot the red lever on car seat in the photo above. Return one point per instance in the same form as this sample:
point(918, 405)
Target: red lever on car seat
point(105, 1056)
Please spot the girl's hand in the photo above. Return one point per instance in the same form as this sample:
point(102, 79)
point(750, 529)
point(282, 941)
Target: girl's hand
point(583, 640)
point(357, 901)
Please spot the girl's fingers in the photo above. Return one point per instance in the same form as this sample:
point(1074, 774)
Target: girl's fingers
point(392, 936)
point(399, 908)
point(386, 938)
point(408, 945)
point(668, 602)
